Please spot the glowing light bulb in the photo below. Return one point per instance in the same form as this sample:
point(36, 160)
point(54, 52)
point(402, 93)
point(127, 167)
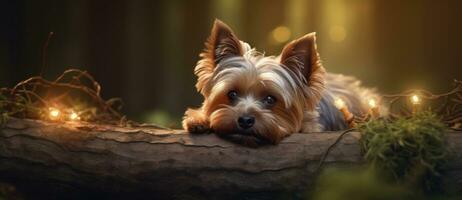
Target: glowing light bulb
point(347, 115)
point(374, 110)
point(415, 99)
point(372, 103)
point(54, 113)
point(74, 116)
point(339, 103)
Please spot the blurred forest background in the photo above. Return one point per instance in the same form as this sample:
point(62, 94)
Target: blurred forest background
point(144, 51)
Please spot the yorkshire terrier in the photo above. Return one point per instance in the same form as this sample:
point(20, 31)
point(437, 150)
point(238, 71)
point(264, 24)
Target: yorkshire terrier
point(253, 99)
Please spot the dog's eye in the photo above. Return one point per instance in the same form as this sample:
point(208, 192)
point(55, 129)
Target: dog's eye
point(232, 95)
point(269, 100)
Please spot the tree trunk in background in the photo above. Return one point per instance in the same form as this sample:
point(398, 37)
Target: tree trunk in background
point(84, 160)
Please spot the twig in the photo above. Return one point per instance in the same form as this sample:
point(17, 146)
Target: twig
point(44, 52)
point(326, 153)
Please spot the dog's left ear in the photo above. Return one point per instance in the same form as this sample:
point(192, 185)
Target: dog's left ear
point(221, 44)
point(301, 57)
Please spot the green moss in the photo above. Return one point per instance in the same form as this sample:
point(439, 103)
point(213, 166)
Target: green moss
point(412, 150)
point(406, 159)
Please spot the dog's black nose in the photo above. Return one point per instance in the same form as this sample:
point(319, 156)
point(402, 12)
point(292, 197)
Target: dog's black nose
point(246, 122)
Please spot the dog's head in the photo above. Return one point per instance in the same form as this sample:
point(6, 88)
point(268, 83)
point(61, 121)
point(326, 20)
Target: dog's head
point(253, 98)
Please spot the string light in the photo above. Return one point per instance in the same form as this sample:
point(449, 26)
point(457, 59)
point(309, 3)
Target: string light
point(373, 108)
point(415, 99)
point(372, 103)
point(74, 116)
point(347, 115)
point(54, 113)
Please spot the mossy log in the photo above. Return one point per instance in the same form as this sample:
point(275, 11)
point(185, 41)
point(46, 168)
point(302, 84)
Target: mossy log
point(85, 160)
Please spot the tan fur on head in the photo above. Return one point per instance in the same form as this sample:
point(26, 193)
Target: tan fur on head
point(253, 98)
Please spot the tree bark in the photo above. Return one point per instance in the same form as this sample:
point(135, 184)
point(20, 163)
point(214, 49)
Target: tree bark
point(86, 160)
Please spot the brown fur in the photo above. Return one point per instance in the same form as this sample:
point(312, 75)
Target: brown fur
point(296, 80)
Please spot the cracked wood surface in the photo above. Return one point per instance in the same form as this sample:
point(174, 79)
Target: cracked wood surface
point(83, 158)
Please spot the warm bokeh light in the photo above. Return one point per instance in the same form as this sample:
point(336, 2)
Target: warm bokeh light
point(281, 34)
point(54, 113)
point(415, 99)
point(339, 103)
point(337, 33)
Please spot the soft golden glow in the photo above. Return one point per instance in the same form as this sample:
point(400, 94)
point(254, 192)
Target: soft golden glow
point(74, 116)
point(281, 34)
point(339, 103)
point(337, 33)
point(54, 113)
point(415, 99)
point(372, 103)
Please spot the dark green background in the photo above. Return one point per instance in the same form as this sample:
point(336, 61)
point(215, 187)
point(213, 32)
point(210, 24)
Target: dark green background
point(145, 51)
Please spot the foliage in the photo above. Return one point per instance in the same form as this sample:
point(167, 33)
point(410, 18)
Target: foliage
point(413, 150)
point(363, 183)
point(370, 183)
point(161, 118)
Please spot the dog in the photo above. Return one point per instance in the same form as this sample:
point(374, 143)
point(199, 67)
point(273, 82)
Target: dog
point(255, 99)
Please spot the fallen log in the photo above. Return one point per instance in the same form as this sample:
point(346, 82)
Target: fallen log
point(82, 160)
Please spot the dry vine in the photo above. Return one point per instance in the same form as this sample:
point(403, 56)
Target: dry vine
point(73, 91)
point(446, 105)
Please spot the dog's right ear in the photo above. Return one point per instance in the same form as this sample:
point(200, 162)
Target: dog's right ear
point(301, 57)
point(221, 44)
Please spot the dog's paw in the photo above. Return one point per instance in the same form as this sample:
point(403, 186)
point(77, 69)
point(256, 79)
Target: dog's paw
point(193, 126)
point(195, 122)
point(197, 128)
